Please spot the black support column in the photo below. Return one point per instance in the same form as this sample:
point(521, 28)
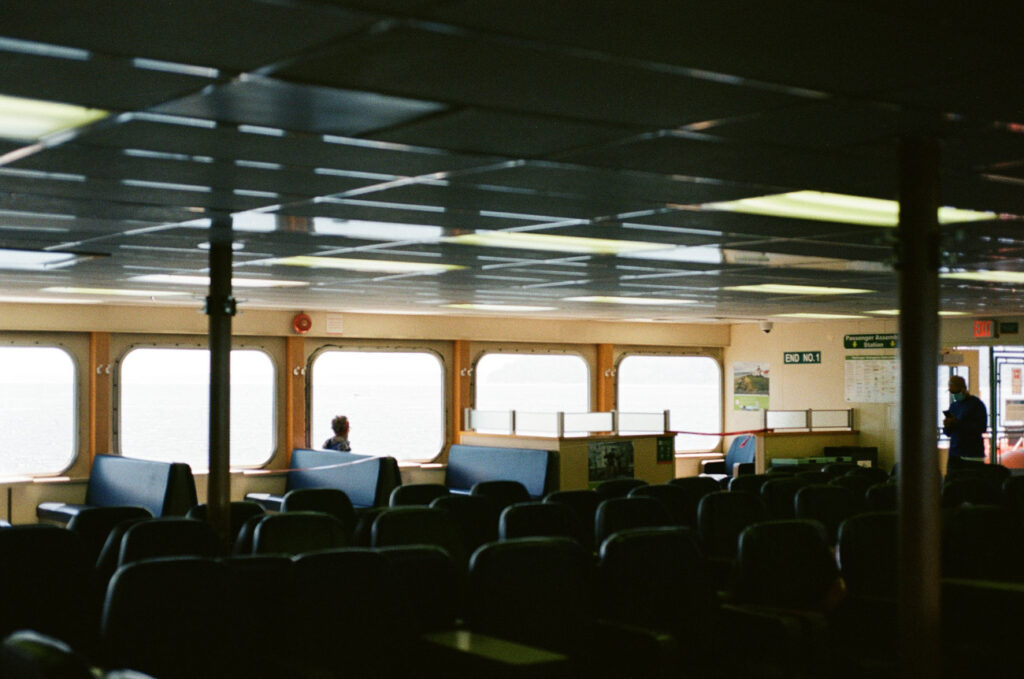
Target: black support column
point(220, 307)
point(918, 264)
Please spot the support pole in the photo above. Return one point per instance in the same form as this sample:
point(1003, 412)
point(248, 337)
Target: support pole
point(220, 307)
point(918, 265)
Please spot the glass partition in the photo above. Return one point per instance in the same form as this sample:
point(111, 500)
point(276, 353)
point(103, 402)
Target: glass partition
point(577, 423)
point(641, 423)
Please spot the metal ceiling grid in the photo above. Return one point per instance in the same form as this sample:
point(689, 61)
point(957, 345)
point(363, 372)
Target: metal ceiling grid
point(589, 119)
point(141, 165)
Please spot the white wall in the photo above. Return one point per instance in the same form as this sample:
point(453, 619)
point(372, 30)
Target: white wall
point(818, 386)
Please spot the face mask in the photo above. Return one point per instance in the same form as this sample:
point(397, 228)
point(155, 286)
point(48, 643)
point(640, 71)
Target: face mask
point(959, 396)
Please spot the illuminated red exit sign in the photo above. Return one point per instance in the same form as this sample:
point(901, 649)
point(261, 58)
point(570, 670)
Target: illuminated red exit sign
point(985, 329)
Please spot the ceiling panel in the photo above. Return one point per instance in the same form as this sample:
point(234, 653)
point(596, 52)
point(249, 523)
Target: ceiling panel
point(495, 132)
point(766, 166)
point(379, 130)
point(318, 110)
point(113, 85)
point(470, 70)
point(232, 34)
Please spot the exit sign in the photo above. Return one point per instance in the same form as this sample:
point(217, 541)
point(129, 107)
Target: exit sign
point(985, 329)
point(790, 357)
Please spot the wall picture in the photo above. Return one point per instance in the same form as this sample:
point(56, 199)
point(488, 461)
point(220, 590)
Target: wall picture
point(750, 386)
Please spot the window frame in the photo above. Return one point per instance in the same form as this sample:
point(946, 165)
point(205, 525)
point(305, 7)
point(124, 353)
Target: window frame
point(117, 406)
point(717, 440)
point(76, 404)
point(446, 387)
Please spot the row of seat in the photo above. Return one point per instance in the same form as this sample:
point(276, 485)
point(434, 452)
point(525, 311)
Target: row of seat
point(866, 549)
point(353, 608)
point(360, 612)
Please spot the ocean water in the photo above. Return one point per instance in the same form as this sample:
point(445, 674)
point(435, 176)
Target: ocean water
point(37, 428)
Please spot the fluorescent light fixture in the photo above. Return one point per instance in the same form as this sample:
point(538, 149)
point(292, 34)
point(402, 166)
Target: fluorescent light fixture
point(32, 119)
point(700, 254)
point(1011, 277)
point(650, 301)
point(254, 222)
point(521, 240)
point(784, 289)
point(115, 292)
point(499, 307)
point(896, 312)
point(820, 317)
point(366, 230)
point(33, 260)
point(368, 265)
point(712, 254)
point(179, 279)
point(837, 207)
point(14, 299)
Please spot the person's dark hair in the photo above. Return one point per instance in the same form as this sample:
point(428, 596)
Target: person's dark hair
point(340, 425)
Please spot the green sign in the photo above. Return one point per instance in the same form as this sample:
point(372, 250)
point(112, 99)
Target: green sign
point(666, 450)
point(872, 341)
point(794, 357)
point(1009, 328)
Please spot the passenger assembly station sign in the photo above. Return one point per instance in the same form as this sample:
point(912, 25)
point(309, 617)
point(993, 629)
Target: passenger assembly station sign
point(871, 341)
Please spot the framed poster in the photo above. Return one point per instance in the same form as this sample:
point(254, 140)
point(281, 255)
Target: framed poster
point(750, 386)
point(609, 460)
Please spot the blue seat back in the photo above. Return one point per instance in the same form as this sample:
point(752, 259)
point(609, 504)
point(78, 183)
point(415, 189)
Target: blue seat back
point(367, 480)
point(741, 450)
point(164, 488)
point(469, 465)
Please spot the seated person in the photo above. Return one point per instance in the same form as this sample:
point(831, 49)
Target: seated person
point(340, 439)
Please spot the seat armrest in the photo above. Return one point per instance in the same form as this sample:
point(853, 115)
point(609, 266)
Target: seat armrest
point(630, 650)
point(463, 653)
point(713, 466)
point(269, 502)
point(60, 512)
point(743, 468)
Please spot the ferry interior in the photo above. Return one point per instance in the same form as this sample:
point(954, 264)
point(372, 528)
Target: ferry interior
point(754, 233)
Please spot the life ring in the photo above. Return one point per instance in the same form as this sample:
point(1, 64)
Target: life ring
point(302, 323)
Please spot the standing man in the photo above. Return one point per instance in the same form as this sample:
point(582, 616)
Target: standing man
point(965, 422)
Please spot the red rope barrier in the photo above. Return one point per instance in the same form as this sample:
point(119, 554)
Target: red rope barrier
point(724, 433)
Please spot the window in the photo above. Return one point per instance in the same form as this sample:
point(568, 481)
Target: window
point(38, 432)
point(394, 401)
point(532, 383)
point(689, 387)
point(164, 396)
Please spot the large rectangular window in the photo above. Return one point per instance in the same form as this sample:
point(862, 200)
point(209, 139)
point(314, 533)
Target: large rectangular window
point(38, 432)
point(689, 387)
point(394, 401)
point(532, 383)
point(164, 397)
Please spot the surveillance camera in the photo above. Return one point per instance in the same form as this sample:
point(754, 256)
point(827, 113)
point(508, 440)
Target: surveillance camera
point(766, 326)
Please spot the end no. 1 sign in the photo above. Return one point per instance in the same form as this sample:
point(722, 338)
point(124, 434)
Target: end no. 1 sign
point(792, 357)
